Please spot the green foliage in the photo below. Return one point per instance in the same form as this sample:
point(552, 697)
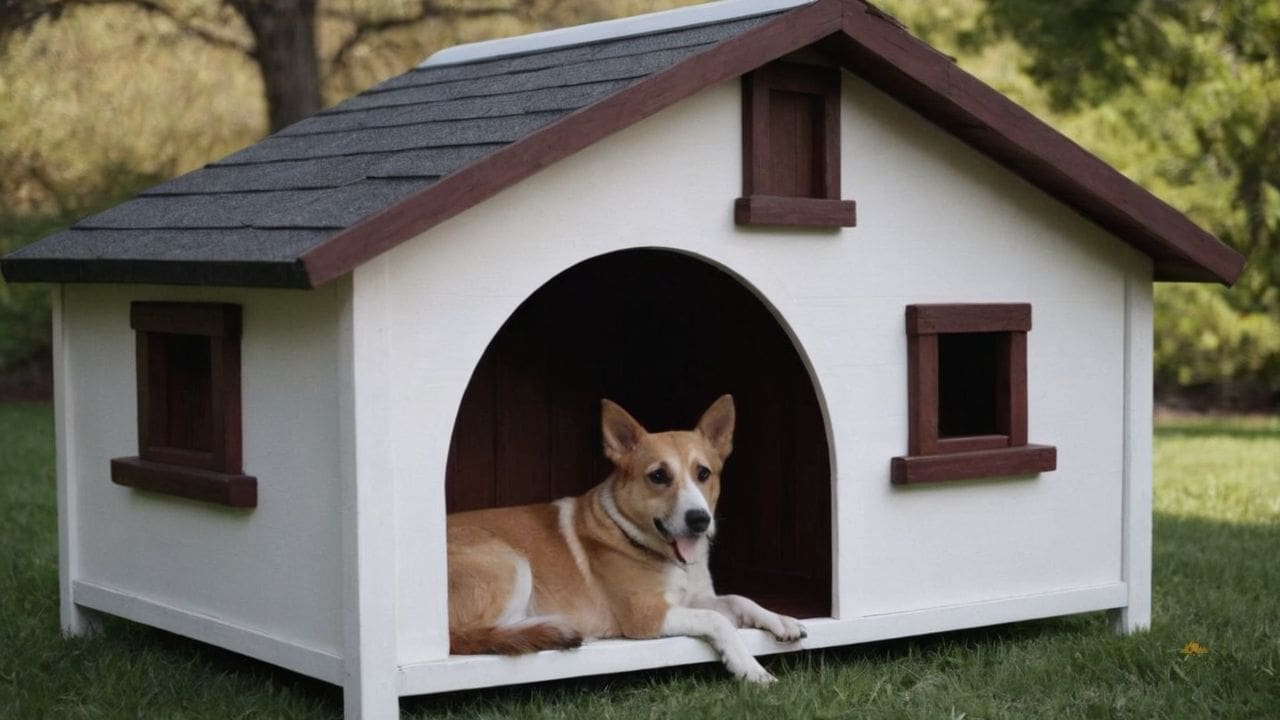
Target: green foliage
point(109, 97)
point(24, 309)
point(1184, 98)
point(24, 324)
point(1201, 76)
point(1201, 339)
point(1217, 523)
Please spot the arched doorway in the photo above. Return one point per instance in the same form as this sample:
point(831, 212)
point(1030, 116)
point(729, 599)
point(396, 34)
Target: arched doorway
point(663, 334)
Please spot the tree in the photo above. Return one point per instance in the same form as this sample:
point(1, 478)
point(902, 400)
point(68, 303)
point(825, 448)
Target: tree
point(279, 36)
point(1180, 95)
point(1202, 74)
point(284, 46)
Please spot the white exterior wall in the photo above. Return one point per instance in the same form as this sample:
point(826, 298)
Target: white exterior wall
point(266, 581)
point(937, 222)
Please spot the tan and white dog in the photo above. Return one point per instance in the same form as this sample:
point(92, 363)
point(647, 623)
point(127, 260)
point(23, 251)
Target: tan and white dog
point(626, 559)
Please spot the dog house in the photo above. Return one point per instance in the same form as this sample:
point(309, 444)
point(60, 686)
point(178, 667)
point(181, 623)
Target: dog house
point(276, 374)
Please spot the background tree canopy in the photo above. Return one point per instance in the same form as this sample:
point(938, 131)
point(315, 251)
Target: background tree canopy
point(106, 97)
point(1202, 75)
point(1184, 96)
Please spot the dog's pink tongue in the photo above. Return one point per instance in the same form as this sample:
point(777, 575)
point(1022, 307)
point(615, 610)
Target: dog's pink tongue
point(685, 547)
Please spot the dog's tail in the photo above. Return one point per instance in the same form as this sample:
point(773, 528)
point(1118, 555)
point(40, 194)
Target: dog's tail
point(526, 636)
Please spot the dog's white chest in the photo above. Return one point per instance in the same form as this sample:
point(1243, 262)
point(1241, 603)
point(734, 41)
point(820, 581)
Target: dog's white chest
point(686, 584)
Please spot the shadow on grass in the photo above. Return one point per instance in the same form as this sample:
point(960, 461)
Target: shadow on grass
point(1206, 570)
point(925, 649)
point(217, 661)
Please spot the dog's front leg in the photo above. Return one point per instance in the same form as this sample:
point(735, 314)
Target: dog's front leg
point(716, 629)
point(745, 612)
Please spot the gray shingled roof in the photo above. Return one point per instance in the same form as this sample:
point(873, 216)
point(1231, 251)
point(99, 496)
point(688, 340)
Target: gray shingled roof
point(247, 218)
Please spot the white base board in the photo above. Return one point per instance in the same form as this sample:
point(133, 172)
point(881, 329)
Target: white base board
point(206, 628)
point(464, 672)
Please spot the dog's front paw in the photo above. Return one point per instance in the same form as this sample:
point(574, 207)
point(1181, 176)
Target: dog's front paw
point(750, 670)
point(788, 629)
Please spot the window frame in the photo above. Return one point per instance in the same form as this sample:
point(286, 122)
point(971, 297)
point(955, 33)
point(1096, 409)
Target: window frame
point(934, 458)
point(213, 475)
point(758, 206)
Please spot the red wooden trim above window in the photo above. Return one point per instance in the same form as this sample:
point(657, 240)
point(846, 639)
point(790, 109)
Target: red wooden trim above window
point(967, 394)
point(188, 380)
point(959, 318)
point(791, 148)
point(210, 319)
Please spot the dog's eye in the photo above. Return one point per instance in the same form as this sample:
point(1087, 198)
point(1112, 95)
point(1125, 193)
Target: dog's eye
point(703, 473)
point(659, 477)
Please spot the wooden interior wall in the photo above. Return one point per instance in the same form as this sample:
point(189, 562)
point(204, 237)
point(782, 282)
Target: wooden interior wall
point(662, 334)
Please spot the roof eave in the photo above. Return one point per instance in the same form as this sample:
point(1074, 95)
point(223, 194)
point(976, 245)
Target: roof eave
point(1179, 270)
point(214, 273)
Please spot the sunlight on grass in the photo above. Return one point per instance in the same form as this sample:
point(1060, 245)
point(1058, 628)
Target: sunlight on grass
point(1218, 469)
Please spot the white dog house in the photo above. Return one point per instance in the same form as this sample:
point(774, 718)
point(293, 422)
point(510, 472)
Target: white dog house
point(277, 373)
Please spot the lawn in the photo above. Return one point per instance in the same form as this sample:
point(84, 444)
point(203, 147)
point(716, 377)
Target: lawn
point(1217, 583)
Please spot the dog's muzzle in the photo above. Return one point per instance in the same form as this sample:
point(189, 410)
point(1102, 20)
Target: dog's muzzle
point(685, 544)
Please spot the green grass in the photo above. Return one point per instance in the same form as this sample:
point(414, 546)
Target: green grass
point(1217, 582)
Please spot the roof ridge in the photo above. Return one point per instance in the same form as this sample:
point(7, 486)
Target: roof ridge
point(524, 71)
point(615, 29)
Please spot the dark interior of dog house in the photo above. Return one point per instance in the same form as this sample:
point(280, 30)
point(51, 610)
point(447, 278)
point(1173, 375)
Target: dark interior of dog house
point(663, 334)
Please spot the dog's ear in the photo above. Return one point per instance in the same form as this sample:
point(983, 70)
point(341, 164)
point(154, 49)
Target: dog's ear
point(621, 431)
point(716, 425)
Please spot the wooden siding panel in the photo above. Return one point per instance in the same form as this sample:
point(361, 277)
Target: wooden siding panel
point(470, 466)
point(522, 435)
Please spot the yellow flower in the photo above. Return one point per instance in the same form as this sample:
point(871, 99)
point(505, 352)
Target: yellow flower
point(1194, 648)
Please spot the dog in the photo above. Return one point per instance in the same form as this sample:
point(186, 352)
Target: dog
point(626, 559)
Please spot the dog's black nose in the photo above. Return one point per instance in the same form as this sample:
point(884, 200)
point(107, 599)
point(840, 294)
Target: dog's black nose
point(697, 520)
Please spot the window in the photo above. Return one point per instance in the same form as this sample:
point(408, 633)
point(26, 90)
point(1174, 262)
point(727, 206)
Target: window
point(791, 148)
point(188, 363)
point(967, 395)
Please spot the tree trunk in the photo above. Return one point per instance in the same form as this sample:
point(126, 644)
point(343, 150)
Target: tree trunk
point(284, 34)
